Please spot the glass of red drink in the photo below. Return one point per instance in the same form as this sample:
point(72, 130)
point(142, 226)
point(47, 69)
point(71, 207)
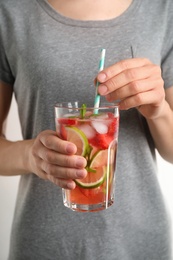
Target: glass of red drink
point(95, 133)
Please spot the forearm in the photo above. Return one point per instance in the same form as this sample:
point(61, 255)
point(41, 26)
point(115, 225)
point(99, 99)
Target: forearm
point(14, 157)
point(162, 132)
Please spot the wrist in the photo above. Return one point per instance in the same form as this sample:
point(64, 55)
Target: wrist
point(161, 113)
point(26, 157)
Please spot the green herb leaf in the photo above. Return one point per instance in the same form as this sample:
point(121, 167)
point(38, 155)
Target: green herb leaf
point(83, 111)
point(90, 169)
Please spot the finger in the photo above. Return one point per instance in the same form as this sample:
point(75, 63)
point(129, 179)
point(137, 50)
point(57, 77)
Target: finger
point(53, 142)
point(65, 176)
point(63, 172)
point(66, 184)
point(134, 88)
point(65, 179)
point(146, 98)
point(121, 66)
point(52, 157)
point(129, 76)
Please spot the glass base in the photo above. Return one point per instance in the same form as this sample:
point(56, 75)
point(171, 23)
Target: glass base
point(89, 207)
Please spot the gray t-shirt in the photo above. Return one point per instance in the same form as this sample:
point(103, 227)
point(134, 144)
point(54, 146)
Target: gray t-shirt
point(51, 58)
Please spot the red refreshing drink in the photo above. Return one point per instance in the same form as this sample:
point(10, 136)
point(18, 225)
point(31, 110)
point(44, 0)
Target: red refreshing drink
point(95, 136)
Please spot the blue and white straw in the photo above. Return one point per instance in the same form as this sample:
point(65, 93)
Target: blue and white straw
point(97, 95)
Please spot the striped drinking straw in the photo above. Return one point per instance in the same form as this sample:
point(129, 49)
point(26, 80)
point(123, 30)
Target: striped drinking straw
point(97, 95)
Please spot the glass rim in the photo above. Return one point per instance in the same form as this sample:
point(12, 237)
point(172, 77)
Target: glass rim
point(103, 105)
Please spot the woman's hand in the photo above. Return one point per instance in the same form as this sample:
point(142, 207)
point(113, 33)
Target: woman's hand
point(135, 83)
point(54, 159)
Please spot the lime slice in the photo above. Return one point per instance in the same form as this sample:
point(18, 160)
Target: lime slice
point(77, 137)
point(99, 159)
point(93, 179)
point(103, 157)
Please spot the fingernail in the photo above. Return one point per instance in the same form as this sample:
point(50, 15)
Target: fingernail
point(103, 89)
point(80, 163)
point(70, 149)
point(101, 77)
point(71, 185)
point(80, 173)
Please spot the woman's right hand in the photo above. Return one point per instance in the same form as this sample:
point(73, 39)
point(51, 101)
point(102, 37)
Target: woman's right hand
point(54, 159)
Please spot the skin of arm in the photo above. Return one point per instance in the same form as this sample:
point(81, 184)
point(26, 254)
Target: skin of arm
point(11, 161)
point(47, 156)
point(160, 128)
point(138, 83)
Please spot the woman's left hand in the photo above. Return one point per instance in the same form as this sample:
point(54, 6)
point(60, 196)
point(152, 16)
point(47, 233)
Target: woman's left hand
point(135, 83)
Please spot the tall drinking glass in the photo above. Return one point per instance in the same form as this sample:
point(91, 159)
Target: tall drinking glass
point(95, 134)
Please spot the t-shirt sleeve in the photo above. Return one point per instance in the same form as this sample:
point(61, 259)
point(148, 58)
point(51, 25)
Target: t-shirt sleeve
point(6, 74)
point(167, 51)
point(5, 71)
point(167, 67)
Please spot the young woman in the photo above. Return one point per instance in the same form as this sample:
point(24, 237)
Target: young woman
point(49, 52)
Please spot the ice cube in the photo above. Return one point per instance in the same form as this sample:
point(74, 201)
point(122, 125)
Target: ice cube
point(88, 130)
point(102, 116)
point(100, 127)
